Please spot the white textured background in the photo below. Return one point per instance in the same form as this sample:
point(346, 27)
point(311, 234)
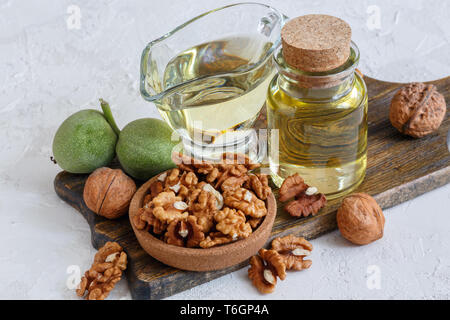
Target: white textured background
point(48, 71)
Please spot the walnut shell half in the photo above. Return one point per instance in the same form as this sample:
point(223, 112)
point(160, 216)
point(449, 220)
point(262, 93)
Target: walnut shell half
point(108, 192)
point(360, 219)
point(417, 109)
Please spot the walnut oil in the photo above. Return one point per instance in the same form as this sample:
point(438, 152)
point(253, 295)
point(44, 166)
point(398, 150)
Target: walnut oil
point(318, 105)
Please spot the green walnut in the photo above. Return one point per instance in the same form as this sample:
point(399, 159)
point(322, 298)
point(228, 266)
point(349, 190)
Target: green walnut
point(145, 148)
point(86, 140)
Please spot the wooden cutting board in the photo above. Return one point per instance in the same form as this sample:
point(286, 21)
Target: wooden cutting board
point(399, 169)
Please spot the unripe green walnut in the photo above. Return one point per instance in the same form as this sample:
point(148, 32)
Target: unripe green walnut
point(84, 142)
point(145, 148)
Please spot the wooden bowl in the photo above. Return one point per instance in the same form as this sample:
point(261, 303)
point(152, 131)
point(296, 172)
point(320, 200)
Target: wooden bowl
point(199, 259)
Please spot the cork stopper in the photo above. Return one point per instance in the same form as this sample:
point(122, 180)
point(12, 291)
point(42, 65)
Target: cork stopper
point(316, 42)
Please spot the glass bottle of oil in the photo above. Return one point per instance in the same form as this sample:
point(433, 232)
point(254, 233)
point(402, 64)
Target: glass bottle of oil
point(319, 117)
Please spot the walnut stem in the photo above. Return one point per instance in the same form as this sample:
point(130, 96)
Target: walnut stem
point(108, 116)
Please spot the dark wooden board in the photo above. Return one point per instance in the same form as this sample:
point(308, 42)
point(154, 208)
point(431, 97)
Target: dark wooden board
point(399, 168)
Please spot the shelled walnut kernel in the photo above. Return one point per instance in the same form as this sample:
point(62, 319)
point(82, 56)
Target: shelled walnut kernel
point(287, 253)
point(203, 204)
point(293, 250)
point(265, 268)
point(307, 201)
point(109, 263)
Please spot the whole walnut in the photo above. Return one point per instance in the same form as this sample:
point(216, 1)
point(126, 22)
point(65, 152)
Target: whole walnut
point(108, 192)
point(417, 109)
point(360, 219)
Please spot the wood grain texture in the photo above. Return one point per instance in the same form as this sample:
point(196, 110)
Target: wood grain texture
point(399, 168)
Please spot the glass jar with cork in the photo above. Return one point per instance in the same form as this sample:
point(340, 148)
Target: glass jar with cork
point(317, 106)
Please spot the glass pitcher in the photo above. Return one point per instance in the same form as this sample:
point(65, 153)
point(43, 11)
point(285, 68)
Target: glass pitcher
point(209, 77)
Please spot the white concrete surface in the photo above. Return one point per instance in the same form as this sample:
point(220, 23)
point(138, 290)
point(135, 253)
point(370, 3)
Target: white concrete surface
point(49, 70)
